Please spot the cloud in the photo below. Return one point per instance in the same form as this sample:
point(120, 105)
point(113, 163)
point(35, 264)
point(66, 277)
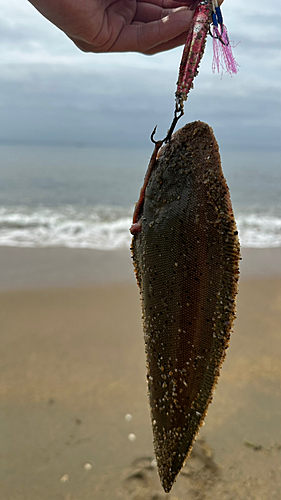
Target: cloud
point(50, 92)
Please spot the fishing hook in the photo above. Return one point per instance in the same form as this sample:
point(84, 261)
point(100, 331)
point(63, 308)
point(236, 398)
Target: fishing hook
point(178, 113)
point(219, 37)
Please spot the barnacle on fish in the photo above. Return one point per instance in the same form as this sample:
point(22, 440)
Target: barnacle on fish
point(186, 256)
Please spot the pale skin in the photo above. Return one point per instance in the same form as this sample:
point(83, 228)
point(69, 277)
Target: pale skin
point(148, 27)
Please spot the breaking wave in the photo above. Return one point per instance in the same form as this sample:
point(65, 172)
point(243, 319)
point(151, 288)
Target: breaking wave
point(106, 227)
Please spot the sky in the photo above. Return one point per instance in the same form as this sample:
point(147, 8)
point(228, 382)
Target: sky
point(53, 94)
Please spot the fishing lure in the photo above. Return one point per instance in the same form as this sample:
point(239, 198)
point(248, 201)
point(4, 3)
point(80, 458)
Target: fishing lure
point(207, 19)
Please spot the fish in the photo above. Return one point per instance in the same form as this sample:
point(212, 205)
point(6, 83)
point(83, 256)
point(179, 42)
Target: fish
point(185, 252)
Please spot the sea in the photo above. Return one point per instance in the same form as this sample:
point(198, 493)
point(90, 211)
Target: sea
point(83, 197)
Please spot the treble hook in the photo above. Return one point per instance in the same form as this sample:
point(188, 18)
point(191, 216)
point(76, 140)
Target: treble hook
point(178, 113)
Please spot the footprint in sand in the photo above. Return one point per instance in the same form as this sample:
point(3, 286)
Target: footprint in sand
point(198, 475)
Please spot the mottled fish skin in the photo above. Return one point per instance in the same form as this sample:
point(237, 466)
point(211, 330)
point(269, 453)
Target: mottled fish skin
point(186, 259)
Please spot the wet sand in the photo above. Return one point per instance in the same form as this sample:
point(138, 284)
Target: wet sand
point(72, 366)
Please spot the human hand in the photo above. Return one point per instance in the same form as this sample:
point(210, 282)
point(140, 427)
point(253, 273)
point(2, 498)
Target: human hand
point(146, 26)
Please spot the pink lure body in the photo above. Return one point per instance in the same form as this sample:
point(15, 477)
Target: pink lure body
point(193, 50)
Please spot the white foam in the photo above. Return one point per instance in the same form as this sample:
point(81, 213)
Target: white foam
point(259, 231)
point(103, 228)
point(106, 227)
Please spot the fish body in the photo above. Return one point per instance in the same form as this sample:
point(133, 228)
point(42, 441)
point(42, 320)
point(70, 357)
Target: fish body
point(186, 258)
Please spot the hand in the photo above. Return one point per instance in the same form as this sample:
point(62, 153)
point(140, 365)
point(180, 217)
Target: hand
point(147, 26)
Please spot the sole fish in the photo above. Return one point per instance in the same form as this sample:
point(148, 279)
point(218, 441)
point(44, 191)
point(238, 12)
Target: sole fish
point(186, 253)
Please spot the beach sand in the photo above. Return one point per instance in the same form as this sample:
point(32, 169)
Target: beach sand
point(72, 366)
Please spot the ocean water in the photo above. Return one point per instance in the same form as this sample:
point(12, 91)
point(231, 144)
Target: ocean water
point(84, 197)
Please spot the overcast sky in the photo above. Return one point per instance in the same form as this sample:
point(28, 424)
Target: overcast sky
point(50, 93)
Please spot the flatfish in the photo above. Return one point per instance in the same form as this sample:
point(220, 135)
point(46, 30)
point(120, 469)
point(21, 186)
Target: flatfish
point(186, 252)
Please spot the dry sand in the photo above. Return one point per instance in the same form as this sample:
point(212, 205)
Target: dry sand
point(72, 366)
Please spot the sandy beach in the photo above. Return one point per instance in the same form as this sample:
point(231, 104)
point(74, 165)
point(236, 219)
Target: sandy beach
point(74, 414)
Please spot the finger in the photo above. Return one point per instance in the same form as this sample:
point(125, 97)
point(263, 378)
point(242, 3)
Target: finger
point(190, 3)
point(147, 13)
point(171, 44)
point(156, 9)
point(168, 4)
point(143, 37)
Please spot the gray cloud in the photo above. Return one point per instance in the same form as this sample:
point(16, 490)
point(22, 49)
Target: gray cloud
point(50, 93)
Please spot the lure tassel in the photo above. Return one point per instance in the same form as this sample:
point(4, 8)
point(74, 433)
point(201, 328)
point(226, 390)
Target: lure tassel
point(223, 58)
